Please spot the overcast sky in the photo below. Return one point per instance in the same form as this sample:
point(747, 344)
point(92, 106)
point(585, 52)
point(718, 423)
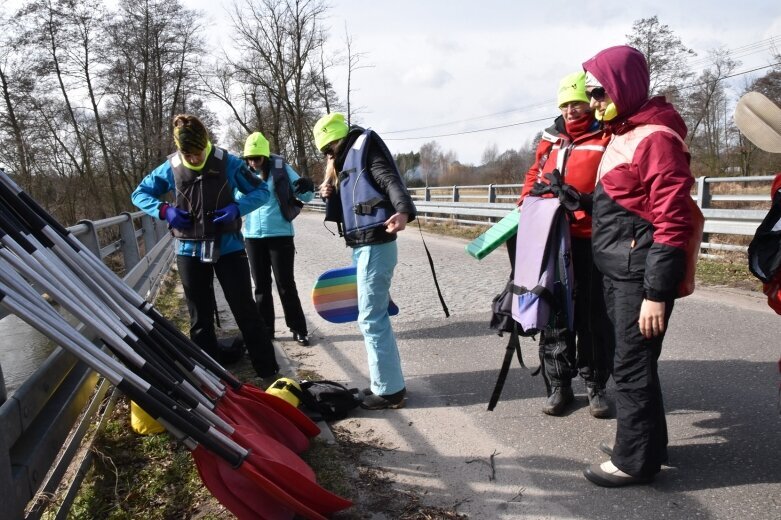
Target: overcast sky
point(453, 66)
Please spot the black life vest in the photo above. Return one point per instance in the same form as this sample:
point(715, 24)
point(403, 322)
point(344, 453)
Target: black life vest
point(289, 205)
point(364, 206)
point(202, 193)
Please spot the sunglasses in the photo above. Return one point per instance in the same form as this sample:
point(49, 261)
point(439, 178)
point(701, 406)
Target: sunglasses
point(328, 150)
point(597, 94)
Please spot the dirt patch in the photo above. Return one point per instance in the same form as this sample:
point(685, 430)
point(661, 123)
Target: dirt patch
point(372, 488)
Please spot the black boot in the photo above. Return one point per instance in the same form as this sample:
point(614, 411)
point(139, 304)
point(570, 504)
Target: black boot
point(597, 402)
point(558, 400)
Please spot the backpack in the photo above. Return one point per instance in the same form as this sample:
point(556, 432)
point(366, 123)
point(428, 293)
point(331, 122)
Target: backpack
point(329, 400)
point(764, 251)
point(543, 286)
point(542, 289)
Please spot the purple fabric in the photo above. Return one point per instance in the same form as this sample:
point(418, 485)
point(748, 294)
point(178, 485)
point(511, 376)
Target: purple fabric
point(532, 268)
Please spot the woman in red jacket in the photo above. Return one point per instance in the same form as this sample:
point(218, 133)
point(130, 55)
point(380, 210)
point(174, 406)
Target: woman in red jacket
point(572, 147)
point(642, 225)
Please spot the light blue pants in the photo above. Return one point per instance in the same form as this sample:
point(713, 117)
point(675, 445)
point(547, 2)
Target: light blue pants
point(374, 266)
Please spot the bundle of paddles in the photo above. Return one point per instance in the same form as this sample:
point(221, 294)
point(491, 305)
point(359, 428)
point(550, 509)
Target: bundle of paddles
point(245, 442)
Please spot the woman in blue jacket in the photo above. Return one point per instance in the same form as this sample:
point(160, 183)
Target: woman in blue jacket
point(269, 232)
point(205, 219)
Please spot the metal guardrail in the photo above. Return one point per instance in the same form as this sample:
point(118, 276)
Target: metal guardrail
point(46, 426)
point(487, 203)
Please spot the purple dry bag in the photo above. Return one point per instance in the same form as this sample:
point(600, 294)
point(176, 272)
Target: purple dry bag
point(543, 266)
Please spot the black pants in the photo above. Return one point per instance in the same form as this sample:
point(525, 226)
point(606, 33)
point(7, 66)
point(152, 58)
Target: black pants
point(589, 351)
point(641, 427)
point(233, 273)
point(276, 254)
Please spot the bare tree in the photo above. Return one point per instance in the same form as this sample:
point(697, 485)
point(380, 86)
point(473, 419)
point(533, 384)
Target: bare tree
point(704, 109)
point(353, 64)
point(279, 67)
point(666, 55)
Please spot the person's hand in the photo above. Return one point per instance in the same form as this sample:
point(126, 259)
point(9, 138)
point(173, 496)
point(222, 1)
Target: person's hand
point(396, 223)
point(176, 218)
point(227, 214)
point(568, 196)
point(303, 185)
point(326, 190)
point(651, 318)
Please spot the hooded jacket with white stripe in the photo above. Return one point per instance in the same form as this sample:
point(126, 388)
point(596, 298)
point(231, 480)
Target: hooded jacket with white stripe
point(642, 220)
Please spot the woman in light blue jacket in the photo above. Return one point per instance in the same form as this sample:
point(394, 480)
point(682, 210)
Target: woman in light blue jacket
point(269, 235)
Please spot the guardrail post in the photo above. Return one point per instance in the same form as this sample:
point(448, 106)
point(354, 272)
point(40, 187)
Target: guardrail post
point(161, 228)
point(90, 238)
point(427, 194)
point(148, 233)
point(455, 194)
point(703, 199)
point(703, 193)
point(3, 389)
point(491, 193)
point(130, 253)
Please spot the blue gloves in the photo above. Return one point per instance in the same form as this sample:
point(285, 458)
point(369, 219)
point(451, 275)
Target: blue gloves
point(176, 218)
point(227, 214)
point(303, 185)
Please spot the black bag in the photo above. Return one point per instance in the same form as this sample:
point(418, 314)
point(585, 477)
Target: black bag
point(329, 399)
point(502, 310)
point(764, 251)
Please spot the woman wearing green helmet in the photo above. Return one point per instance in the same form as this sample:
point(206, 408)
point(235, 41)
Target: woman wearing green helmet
point(269, 235)
point(373, 205)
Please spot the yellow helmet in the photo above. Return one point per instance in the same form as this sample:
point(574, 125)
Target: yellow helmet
point(572, 88)
point(287, 390)
point(329, 128)
point(256, 145)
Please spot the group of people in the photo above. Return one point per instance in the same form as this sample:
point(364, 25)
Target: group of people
point(213, 189)
point(615, 157)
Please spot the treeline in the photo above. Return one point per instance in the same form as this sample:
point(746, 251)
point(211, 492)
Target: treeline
point(89, 91)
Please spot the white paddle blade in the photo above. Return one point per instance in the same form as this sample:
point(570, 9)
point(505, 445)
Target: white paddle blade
point(759, 119)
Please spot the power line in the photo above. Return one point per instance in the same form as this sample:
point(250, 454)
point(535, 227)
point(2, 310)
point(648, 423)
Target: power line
point(519, 109)
point(468, 131)
point(742, 51)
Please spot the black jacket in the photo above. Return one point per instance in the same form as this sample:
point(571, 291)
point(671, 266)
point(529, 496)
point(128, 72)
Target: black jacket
point(385, 176)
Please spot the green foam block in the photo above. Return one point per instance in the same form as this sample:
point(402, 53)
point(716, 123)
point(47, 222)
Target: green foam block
point(494, 236)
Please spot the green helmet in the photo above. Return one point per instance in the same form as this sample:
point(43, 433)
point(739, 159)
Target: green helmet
point(572, 88)
point(329, 128)
point(256, 145)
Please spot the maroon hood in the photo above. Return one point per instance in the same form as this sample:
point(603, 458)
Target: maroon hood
point(623, 71)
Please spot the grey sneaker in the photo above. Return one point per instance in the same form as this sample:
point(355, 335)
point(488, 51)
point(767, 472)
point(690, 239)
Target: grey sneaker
point(381, 402)
point(558, 400)
point(597, 402)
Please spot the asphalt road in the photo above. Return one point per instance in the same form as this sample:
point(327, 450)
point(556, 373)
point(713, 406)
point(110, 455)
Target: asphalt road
point(718, 371)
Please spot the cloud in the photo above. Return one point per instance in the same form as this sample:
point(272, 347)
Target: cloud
point(426, 76)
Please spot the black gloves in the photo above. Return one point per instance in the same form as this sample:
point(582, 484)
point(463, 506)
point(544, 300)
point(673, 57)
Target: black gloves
point(569, 197)
point(303, 185)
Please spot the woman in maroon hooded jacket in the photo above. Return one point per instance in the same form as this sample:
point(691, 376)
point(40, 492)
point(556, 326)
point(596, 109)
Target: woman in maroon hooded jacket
point(642, 224)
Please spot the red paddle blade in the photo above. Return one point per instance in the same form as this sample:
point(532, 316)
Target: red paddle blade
point(293, 414)
point(238, 494)
point(255, 414)
point(305, 491)
point(270, 449)
point(288, 470)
